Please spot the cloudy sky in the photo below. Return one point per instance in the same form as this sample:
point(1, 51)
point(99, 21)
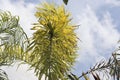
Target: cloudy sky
point(99, 30)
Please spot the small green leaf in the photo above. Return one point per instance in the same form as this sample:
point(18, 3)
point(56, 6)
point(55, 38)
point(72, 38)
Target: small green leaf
point(65, 1)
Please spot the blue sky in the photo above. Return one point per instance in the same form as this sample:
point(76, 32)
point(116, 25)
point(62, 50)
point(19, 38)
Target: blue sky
point(99, 30)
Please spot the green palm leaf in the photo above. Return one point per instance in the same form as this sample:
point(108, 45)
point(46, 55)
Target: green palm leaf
point(12, 39)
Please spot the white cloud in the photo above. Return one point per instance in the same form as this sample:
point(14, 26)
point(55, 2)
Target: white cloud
point(97, 36)
point(19, 73)
point(108, 32)
point(113, 2)
point(79, 5)
point(24, 10)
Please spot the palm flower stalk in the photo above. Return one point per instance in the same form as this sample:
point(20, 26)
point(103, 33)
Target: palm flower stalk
point(54, 43)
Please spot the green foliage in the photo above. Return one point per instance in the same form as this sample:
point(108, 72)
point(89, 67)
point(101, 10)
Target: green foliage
point(12, 39)
point(115, 67)
point(54, 43)
point(65, 1)
point(3, 75)
point(71, 76)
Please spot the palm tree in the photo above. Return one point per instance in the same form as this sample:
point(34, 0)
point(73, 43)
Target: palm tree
point(54, 43)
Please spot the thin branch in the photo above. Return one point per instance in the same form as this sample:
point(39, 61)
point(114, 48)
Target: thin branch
point(95, 69)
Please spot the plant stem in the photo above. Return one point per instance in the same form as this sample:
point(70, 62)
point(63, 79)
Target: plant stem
point(50, 52)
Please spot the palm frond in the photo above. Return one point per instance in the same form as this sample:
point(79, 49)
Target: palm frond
point(108, 68)
point(12, 39)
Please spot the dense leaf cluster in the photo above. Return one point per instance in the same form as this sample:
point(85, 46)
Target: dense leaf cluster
point(54, 42)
